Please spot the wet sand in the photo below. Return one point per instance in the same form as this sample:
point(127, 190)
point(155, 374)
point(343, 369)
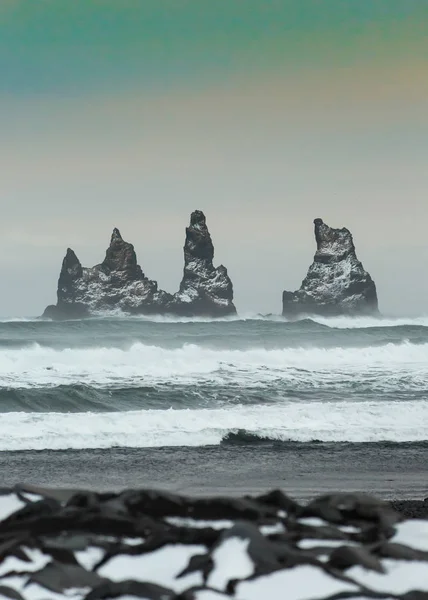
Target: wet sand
point(303, 471)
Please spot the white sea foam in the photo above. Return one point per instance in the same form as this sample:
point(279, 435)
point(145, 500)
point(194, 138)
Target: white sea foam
point(366, 322)
point(302, 421)
point(334, 322)
point(381, 367)
point(18, 319)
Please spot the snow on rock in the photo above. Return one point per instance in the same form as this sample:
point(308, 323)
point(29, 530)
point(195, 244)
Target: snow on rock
point(116, 283)
point(9, 503)
point(413, 533)
point(204, 289)
point(119, 284)
point(145, 544)
point(336, 283)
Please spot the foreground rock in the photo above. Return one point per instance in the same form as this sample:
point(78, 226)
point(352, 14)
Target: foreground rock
point(158, 545)
point(336, 283)
point(118, 283)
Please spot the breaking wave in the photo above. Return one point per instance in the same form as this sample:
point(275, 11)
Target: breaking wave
point(299, 422)
point(130, 382)
point(142, 364)
point(333, 322)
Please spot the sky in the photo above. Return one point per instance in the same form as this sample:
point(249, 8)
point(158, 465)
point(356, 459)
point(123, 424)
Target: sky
point(265, 114)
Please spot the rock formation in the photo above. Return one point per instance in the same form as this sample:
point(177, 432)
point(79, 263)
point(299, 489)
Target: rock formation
point(336, 282)
point(158, 545)
point(204, 289)
point(118, 283)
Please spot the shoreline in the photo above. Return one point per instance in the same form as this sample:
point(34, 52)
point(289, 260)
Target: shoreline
point(395, 473)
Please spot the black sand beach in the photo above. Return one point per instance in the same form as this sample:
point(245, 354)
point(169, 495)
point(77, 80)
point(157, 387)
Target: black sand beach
point(389, 471)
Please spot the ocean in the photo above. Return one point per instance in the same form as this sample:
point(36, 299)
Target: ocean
point(203, 405)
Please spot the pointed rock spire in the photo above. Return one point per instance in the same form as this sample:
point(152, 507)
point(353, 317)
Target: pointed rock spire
point(71, 271)
point(118, 283)
point(198, 243)
point(121, 258)
point(336, 282)
point(204, 289)
point(115, 236)
point(332, 244)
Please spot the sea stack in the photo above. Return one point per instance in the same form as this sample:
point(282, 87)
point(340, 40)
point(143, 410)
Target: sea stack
point(119, 284)
point(204, 289)
point(336, 283)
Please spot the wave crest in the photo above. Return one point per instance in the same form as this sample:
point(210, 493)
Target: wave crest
point(299, 422)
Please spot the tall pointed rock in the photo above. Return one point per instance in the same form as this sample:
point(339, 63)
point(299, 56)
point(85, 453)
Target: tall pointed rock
point(204, 289)
point(71, 272)
point(336, 282)
point(121, 259)
point(118, 283)
point(68, 306)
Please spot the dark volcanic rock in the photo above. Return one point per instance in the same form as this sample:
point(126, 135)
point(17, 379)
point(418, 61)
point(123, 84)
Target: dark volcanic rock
point(204, 289)
point(336, 282)
point(118, 283)
point(157, 545)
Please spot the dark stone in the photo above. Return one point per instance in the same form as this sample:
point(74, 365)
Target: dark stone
point(166, 504)
point(336, 282)
point(59, 577)
point(351, 509)
point(138, 589)
point(204, 289)
point(60, 525)
point(400, 552)
point(8, 592)
point(347, 556)
point(118, 283)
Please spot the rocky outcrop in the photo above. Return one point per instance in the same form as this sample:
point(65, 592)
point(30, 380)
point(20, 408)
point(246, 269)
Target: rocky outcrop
point(118, 283)
point(204, 289)
point(336, 282)
point(65, 543)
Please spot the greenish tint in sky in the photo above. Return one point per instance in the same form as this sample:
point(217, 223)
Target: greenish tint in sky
point(79, 45)
point(263, 113)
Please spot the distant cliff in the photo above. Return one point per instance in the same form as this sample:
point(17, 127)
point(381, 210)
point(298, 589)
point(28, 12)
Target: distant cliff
point(336, 282)
point(118, 283)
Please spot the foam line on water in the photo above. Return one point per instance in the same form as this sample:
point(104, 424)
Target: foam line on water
point(333, 322)
point(37, 366)
point(335, 421)
point(368, 322)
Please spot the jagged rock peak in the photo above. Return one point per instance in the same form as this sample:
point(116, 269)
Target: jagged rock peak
point(198, 243)
point(204, 289)
point(121, 257)
point(336, 282)
point(198, 220)
point(115, 236)
point(70, 259)
point(118, 283)
point(71, 271)
point(332, 243)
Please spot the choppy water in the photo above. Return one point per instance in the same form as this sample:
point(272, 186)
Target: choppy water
point(134, 382)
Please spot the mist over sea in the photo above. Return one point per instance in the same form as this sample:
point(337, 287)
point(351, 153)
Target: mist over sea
point(139, 383)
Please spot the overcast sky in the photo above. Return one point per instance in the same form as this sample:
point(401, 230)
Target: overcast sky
point(264, 114)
